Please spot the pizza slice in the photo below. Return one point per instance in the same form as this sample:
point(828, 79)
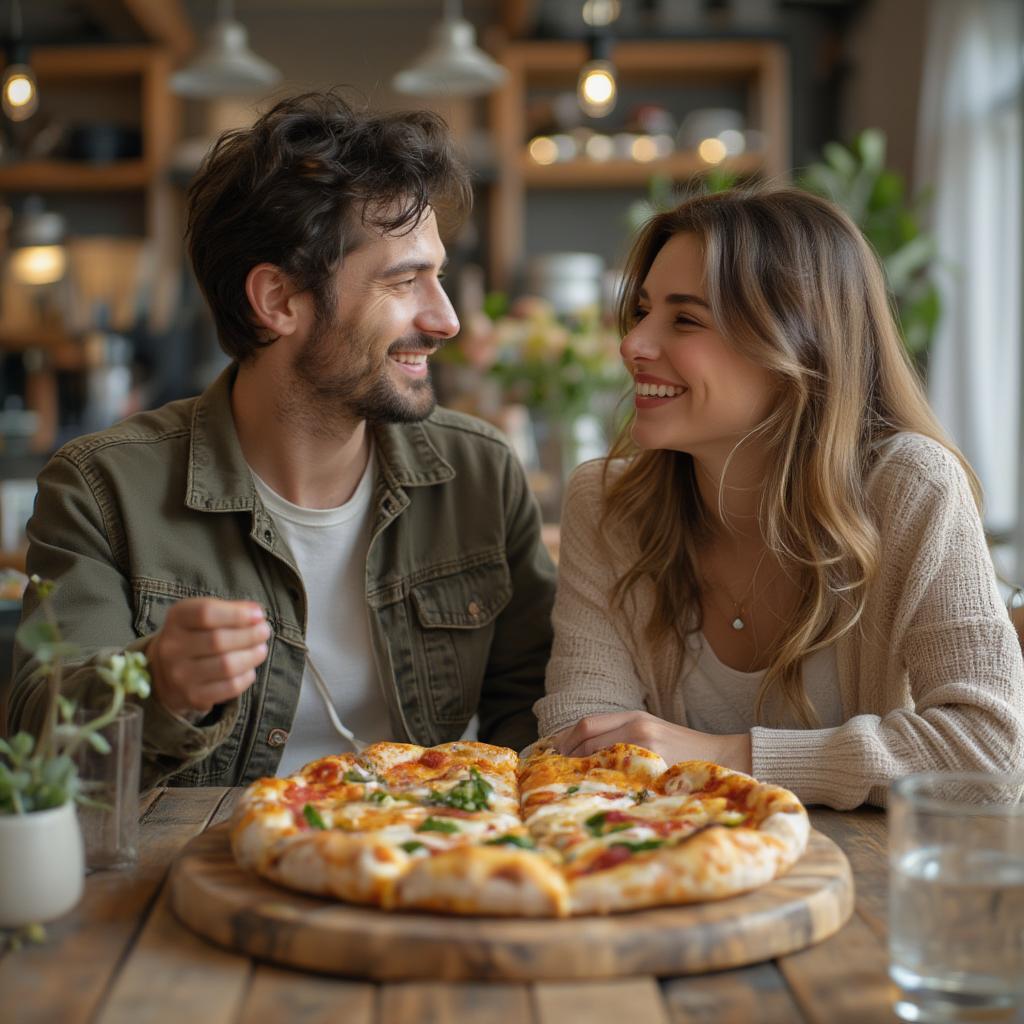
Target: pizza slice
point(704, 833)
point(401, 825)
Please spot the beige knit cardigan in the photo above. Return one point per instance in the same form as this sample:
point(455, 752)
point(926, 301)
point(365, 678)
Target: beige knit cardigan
point(931, 679)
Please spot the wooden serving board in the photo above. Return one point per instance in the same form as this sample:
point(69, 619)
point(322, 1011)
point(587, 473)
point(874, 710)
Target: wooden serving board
point(236, 909)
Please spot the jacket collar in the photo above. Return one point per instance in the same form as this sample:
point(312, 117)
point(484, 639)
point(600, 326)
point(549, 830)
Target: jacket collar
point(219, 479)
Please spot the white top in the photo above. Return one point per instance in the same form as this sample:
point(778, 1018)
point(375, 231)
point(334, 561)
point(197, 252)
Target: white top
point(720, 700)
point(329, 547)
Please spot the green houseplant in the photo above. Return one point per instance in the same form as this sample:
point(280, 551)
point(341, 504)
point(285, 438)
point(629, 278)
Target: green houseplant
point(41, 862)
point(877, 199)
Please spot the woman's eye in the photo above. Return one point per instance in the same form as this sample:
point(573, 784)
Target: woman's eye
point(638, 315)
point(686, 321)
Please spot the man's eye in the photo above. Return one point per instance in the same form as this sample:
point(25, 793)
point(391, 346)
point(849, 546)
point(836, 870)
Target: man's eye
point(405, 284)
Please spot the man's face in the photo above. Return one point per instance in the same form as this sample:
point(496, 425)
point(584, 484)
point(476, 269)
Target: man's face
point(366, 358)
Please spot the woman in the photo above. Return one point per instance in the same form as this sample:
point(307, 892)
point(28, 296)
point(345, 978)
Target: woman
point(781, 565)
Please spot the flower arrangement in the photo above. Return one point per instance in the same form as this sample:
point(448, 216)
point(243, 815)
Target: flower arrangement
point(36, 776)
point(558, 364)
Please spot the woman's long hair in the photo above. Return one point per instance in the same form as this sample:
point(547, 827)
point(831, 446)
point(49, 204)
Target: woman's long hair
point(793, 286)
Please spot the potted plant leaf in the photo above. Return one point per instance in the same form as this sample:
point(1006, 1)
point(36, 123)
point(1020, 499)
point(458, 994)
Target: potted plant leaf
point(41, 859)
point(875, 196)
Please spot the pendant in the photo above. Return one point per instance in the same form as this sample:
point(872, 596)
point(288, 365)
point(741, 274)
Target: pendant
point(738, 624)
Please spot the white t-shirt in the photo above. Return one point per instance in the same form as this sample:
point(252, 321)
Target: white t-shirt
point(720, 700)
point(329, 547)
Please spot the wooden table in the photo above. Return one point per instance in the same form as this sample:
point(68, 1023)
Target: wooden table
point(122, 956)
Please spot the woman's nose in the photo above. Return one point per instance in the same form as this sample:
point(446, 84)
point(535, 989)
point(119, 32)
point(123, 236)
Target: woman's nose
point(637, 345)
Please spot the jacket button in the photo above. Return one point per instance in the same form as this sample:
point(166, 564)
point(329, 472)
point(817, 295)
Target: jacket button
point(277, 738)
point(473, 608)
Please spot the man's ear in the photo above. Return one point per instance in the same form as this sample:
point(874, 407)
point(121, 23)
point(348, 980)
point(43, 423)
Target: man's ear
point(277, 305)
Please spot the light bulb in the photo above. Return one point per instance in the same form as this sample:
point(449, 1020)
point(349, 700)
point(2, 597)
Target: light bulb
point(712, 151)
point(601, 12)
point(20, 95)
point(596, 89)
point(38, 264)
point(543, 150)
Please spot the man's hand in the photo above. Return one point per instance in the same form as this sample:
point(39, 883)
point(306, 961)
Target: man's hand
point(673, 742)
point(207, 653)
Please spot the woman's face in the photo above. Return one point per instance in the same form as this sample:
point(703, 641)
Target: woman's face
point(693, 392)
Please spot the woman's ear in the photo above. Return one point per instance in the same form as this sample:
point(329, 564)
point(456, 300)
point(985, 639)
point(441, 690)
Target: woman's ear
point(277, 306)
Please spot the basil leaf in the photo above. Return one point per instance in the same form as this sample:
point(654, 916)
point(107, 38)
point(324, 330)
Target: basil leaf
point(312, 815)
point(595, 823)
point(378, 796)
point(412, 846)
point(571, 790)
point(438, 825)
point(523, 842)
point(646, 844)
point(641, 795)
point(472, 794)
point(357, 775)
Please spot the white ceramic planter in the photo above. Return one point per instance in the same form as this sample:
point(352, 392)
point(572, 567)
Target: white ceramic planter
point(41, 865)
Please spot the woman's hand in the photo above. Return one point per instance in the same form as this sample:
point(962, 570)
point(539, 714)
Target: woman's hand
point(673, 742)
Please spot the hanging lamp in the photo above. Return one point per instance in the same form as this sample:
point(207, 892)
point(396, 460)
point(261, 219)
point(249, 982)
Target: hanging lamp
point(225, 66)
point(19, 93)
point(453, 65)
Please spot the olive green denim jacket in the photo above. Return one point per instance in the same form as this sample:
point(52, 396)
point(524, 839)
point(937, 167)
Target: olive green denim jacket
point(162, 507)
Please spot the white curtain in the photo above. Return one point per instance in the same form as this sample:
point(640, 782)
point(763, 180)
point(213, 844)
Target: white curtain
point(970, 154)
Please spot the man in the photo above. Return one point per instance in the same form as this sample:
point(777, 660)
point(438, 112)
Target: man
point(311, 556)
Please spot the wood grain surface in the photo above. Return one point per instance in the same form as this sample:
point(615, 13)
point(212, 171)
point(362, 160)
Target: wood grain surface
point(245, 914)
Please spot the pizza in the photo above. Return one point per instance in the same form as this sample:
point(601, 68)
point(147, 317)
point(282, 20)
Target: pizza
point(470, 828)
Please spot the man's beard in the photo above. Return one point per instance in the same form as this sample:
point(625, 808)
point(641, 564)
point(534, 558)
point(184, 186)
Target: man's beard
point(362, 389)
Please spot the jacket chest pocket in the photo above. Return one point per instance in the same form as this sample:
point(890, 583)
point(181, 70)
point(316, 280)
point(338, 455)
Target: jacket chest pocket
point(455, 616)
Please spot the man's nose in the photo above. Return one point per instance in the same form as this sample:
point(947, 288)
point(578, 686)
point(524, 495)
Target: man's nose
point(438, 317)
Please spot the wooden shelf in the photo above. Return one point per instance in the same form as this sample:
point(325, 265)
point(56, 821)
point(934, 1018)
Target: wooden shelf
point(73, 176)
point(628, 173)
point(759, 68)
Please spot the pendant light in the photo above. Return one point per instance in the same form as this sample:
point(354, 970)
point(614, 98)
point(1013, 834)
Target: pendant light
point(597, 87)
point(37, 254)
point(19, 93)
point(453, 65)
point(225, 66)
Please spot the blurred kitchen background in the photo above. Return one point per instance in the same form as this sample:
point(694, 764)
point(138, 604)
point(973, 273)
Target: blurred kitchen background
point(577, 118)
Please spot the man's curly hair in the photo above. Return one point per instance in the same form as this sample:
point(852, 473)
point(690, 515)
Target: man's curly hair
point(297, 189)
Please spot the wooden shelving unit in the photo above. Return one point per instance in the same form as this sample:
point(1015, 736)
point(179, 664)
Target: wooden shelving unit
point(761, 67)
point(137, 77)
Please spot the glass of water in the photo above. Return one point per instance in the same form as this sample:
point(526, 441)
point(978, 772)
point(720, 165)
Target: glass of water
point(956, 896)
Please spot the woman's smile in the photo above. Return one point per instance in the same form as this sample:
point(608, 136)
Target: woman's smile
point(650, 391)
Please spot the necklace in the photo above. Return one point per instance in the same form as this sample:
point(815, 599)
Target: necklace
point(739, 619)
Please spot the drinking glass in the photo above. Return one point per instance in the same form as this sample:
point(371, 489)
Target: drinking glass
point(956, 896)
point(110, 784)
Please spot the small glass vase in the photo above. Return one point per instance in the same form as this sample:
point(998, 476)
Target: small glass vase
point(109, 811)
